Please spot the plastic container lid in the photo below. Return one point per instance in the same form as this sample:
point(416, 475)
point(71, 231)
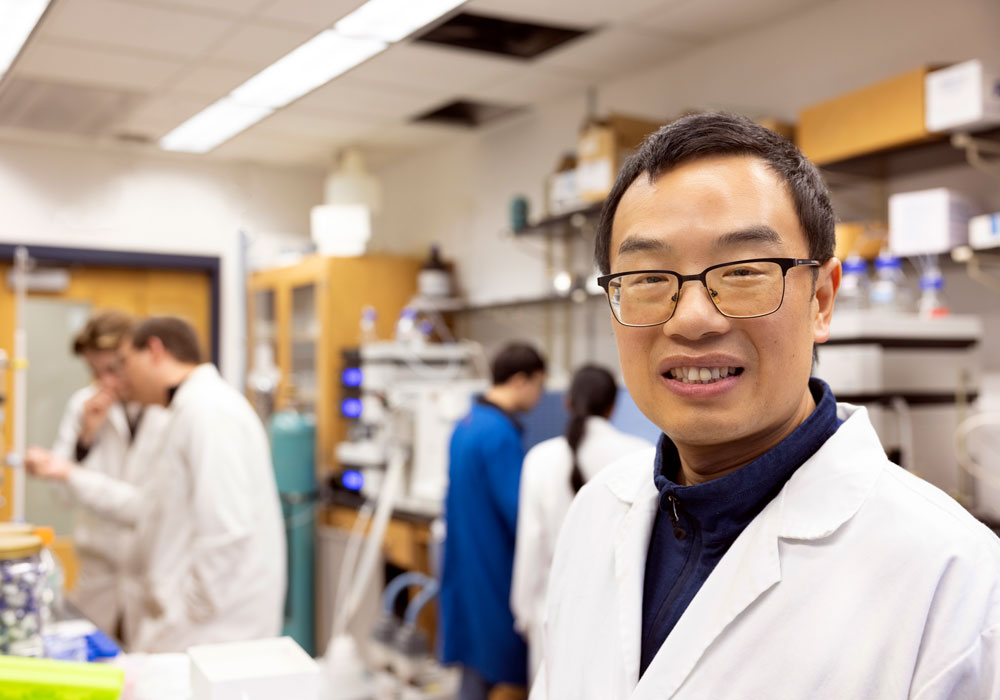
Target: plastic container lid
point(855, 265)
point(931, 282)
point(7, 529)
point(883, 262)
point(20, 546)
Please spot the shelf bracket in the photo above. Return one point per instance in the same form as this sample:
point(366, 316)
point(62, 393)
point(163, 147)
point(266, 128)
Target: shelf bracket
point(982, 154)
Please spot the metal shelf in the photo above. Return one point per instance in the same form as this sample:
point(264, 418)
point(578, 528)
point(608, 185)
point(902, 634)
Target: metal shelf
point(562, 224)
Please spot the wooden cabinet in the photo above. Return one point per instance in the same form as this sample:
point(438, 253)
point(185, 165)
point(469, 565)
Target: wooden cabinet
point(308, 313)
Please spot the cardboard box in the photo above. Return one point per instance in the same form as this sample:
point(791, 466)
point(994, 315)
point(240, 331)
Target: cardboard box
point(984, 231)
point(864, 239)
point(928, 222)
point(602, 148)
point(964, 96)
point(884, 115)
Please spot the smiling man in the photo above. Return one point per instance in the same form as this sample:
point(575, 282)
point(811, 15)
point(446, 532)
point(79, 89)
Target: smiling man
point(767, 548)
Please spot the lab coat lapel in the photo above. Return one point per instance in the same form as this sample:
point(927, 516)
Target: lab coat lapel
point(822, 495)
point(631, 544)
point(747, 571)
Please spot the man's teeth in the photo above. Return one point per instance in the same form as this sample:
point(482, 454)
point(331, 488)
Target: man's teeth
point(701, 375)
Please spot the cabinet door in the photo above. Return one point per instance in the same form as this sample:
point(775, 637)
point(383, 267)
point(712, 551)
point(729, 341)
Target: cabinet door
point(304, 339)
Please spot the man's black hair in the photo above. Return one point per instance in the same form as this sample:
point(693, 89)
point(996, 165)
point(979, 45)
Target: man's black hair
point(514, 358)
point(722, 134)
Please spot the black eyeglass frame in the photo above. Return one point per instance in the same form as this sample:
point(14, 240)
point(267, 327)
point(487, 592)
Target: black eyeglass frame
point(786, 264)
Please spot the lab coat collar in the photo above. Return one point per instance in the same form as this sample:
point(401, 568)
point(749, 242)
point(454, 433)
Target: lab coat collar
point(201, 375)
point(822, 495)
point(829, 488)
point(813, 505)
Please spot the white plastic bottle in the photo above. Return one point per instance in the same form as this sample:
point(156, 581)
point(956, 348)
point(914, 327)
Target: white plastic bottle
point(890, 292)
point(854, 285)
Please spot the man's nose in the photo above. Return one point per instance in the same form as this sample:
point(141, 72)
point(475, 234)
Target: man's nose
point(695, 315)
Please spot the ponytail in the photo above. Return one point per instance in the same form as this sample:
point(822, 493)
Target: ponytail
point(592, 393)
point(574, 436)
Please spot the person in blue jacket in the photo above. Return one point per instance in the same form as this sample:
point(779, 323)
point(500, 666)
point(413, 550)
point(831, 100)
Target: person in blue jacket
point(481, 514)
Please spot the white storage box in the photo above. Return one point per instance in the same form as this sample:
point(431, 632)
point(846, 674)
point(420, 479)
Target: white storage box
point(984, 231)
point(928, 221)
point(260, 670)
point(965, 97)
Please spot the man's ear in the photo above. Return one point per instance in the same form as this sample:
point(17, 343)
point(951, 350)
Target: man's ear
point(156, 349)
point(827, 284)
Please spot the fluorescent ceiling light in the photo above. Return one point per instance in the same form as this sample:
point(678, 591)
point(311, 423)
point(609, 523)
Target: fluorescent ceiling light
point(391, 20)
point(213, 125)
point(17, 19)
point(316, 62)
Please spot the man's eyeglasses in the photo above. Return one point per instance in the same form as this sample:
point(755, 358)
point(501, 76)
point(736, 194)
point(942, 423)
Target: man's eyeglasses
point(740, 289)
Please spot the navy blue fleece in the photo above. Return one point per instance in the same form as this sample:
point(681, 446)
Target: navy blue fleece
point(710, 516)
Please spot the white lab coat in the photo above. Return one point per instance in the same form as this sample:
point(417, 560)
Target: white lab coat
point(859, 580)
point(99, 542)
point(545, 496)
point(208, 563)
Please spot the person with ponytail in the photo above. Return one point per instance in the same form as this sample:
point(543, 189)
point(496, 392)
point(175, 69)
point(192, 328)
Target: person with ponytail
point(553, 472)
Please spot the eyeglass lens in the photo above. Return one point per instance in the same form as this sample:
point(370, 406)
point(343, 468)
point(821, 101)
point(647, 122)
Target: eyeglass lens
point(741, 290)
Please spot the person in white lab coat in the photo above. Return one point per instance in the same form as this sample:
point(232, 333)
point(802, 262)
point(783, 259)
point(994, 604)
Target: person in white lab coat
point(554, 471)
point(208, 561)
point(766, 548)
point(100, 435)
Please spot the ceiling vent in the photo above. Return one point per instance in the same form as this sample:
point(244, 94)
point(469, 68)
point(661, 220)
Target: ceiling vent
point(66, 109)
point(466, 113)
point(504, 37)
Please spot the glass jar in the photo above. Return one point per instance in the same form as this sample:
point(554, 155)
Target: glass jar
point(21, 593)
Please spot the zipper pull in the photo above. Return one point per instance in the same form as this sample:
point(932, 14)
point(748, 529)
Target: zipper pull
point(679, 532)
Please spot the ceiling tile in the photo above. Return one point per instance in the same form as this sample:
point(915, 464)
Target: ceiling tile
point(92, 66)
point(259, 147)
point(428, 67)
point(159, 115)
point(312, 14)
point(711, 19)
point(209, 79)
point(290, 123)
point(235, 8)
point(612, 53)
point(256, 46)
point(116, 24)
point(579, 14)
point(528, 86)
point(390, 103)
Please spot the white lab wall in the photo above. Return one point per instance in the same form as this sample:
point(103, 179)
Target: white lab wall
point(459, 194)
point(88, 198)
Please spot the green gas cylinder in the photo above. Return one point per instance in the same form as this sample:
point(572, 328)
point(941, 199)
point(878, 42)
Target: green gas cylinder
point(293, 452)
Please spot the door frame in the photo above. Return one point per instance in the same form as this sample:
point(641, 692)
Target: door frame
point(95, 257)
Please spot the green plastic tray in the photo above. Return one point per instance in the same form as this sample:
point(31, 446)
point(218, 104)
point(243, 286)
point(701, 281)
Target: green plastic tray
point(42, 679)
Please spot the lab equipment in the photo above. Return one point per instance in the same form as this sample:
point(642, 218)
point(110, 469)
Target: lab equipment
point(19, 366)
point(915, 378)
point(22, 581)
point(854, 285)
point(932, 304)
point(257, 670)
point(44, 679)
point(400, 394)
point(293, 451)
point(890, 292)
